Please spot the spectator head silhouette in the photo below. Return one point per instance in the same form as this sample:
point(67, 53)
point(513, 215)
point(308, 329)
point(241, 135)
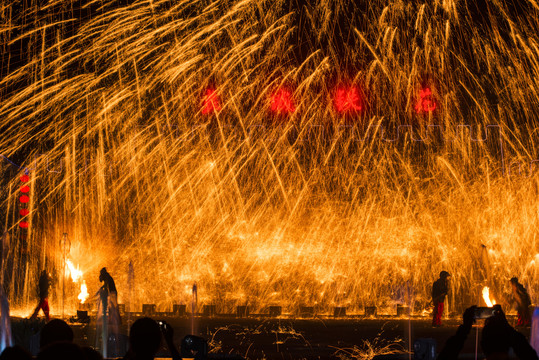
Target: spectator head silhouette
point(145, 338)
point(103, 274)
point(496, 337)
point(91, 354)
point(444, 274)
point(61, 350)
point(15, 353)
point(54, 331)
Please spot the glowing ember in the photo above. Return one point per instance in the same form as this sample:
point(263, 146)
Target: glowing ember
point(76, 274)
point(211, 102)
point(425, 102)
point(83, 292)
point(282, 102)
point(486, 297)
point(347, 100)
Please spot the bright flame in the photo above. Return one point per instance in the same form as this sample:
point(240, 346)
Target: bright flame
point(486, 297)
point(76, 274)
point(83, 292)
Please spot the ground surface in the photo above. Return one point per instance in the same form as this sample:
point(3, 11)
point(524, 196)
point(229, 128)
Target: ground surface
point(264, 338)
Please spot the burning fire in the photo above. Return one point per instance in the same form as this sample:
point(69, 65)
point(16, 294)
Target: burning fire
point(76, 274)
point(83, 292)
point(486, 297)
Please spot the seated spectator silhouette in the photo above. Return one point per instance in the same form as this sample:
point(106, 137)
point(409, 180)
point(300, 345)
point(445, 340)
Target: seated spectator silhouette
point(15, 353)
point(54, 331)
point(497, 338)
point(61, 350)
point(91, 354)
point(144, 340)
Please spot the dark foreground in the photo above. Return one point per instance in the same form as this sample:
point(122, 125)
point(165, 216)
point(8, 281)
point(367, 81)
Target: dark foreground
point(259, 338)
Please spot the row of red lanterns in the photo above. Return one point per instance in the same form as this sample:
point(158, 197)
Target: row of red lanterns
point(24, 201)
point(347, 100)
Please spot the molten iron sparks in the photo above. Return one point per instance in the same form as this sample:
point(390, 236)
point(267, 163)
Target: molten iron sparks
point(276, 208)
point(486, 297)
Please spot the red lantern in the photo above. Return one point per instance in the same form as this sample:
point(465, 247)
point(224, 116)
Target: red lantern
point(24, 199)
point(348, 100)
point(426, 102)
point(23, 225)
point(282, 102)
point(24, 212)
point(211, 102)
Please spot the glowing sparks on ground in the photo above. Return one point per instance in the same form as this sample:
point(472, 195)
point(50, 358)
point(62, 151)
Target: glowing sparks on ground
point(486, 297)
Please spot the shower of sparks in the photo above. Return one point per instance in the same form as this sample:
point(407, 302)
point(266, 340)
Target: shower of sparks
point(105, 109)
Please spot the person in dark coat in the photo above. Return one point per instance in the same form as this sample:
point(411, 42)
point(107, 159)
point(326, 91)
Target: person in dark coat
point(44, 285)
point(522, 299)
point(109, 299)
point(439, 291)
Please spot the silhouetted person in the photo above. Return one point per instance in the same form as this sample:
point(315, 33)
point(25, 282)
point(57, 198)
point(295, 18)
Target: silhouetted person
point(55, 331)
point(144, 340)
point(439, 291)
point(61, 351)
point(109, 300)
point(15, 353)
point(522, 299)
point(108, 288)
point(44, 285)
point(497, 338)
point(168, 335)
point(91, 354)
